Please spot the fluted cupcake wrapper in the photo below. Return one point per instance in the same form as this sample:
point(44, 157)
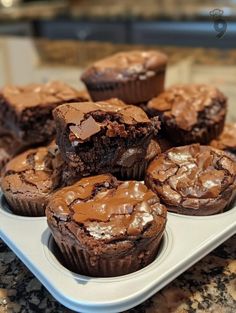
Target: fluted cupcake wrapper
point(136, 172)
point(80, 261)
point(131, 92)
point(231, 202)
point(26, 207)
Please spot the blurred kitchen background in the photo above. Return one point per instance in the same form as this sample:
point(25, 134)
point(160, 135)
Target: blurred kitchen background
point(57, 39)
point(157, 22)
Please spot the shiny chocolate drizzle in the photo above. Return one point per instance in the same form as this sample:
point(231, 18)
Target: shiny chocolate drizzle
point(108, 208)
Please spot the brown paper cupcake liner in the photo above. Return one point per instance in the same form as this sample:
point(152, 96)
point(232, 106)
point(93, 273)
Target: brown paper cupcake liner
point(26, 207)
point(231, 202)
point(131, 92)
point(80, 261)
point(136, 172)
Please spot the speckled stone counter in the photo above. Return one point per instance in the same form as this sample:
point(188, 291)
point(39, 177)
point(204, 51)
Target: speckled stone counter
point(208, 287)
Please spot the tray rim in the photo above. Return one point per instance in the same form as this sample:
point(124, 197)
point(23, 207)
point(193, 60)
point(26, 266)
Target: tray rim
point(146, 291)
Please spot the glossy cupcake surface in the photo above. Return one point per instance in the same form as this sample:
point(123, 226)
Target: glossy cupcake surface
point(114, 223)
point(193, 180)
point(191, 113)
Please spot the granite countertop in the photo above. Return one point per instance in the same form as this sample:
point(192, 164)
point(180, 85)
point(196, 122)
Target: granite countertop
point(120, 10)
point(210, 285)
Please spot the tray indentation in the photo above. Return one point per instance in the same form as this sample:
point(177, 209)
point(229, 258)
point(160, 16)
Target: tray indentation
point(6, 209)
point(54, 256)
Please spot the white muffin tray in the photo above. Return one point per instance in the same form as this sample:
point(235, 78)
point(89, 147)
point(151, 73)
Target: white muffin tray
point(186, 240)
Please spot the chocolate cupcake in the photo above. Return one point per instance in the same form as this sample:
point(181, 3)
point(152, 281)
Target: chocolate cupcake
point(29, 180)
point(104, 227)
point(190, 113)
point(193, 180)
point(227, 140)
point(134, 77)
point(26, 111)
point(105, 137)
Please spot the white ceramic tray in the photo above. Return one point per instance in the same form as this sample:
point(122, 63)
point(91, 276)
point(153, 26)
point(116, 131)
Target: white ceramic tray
point(186, 240)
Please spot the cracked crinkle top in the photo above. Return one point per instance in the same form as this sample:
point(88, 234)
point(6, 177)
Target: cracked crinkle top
point(187, 105)
point(107, 209)
point(75, 113)
point(30, 174)
point(194, 179)
point(126, 65)
point(21, 98)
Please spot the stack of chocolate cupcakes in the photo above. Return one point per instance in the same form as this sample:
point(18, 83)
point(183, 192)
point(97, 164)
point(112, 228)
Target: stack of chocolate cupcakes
point(105, 220)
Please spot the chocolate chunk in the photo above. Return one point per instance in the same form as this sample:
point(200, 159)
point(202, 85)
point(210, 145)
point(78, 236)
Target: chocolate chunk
point(86, 129)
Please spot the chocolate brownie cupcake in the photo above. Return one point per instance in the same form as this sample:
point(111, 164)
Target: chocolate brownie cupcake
point(193, 180)
point(29, 180)
point(104, 227)
point(105, 137)
point(134, 77)
point(190, 113)
point(227, 140)
point(26, 111)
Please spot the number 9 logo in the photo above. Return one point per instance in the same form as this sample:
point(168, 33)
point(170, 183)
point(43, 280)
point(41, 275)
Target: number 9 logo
point(220, 25)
